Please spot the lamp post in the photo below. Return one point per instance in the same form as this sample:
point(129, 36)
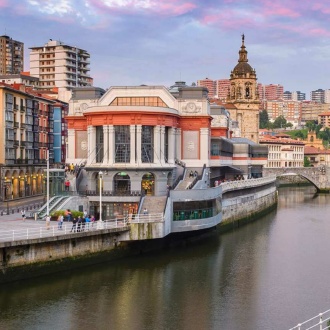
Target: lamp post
point(47, 183)
point(100, 186)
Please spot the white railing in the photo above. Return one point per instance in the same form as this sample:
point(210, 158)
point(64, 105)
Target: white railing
point(142, 218)
point(231, 185)
point(52, 231)
point(320, 322)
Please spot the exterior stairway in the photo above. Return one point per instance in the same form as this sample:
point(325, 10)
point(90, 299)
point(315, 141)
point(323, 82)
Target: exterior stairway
point(154, 204)
point(187, 180)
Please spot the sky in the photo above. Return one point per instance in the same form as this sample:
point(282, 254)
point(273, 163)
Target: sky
point(159, 42)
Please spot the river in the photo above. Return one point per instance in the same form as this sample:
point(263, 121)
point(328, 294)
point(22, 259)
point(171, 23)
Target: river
point(270, 274)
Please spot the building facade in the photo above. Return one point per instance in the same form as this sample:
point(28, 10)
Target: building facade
point(27, 131)
point(283, 152)
point(60, 65)
point(318, 95)
point(11, 56)
point(209, 84)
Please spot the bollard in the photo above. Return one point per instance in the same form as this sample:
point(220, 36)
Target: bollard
point(35, 216)
point(12, 211)
point(1, 212)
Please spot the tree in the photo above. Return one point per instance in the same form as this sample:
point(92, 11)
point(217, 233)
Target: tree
point(280, 122)
point(263, 119)
point(307, 162)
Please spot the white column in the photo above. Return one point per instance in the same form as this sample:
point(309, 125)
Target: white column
point(111, 146)
point(178, 143)
point(204, 145)
point(92, 139)
point(171, 145)
point(162, 144)
point(132, 146)
point(71, 144)
point(138, 143)
point(157, 144)
point(105, 144)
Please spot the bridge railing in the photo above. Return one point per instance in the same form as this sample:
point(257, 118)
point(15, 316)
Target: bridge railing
point(65, 229)
point(231, 185)
point(321, 322)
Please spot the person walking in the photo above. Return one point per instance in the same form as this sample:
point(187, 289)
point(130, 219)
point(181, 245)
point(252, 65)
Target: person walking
point(145, 211)
point(48, 222)
point(60, 222)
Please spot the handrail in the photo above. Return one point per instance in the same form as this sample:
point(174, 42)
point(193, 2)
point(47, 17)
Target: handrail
point(315, 322)
point(66, 229)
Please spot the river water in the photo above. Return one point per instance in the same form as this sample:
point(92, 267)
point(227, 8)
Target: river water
point(270, 274)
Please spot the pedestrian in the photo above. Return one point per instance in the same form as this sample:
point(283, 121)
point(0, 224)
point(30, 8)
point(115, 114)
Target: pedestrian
point(60, 222)
point(48, 222)
point(92, 220)
point(74, 225)
point(145, 211)
point(85, 214)
point(67, 185)
point(23, 215)
point(79, 223)
point(87, 220)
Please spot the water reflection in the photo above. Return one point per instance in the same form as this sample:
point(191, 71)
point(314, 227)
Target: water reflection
point(269, 274)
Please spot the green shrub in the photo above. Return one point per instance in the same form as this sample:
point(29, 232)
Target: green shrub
point(74, 213)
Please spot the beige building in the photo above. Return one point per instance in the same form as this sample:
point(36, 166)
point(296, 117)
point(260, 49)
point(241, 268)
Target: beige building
point(11, 56)
point(310, 110)
point(283, 151)
point(59, 65)
point(244, 96)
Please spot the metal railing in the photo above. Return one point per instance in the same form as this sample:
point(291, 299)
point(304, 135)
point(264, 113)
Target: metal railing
point(65, 229)
point(143, 218)
point(320, 322)
point(232, 185)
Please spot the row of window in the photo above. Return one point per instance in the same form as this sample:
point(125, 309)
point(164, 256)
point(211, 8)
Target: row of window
point(146, 101)
point(123, 144)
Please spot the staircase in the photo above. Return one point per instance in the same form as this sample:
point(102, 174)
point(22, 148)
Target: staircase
point(154, 204)
point(54, 202)
point(187, 180)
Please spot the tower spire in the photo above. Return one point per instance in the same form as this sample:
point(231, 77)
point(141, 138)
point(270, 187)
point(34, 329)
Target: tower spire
point(243, 52)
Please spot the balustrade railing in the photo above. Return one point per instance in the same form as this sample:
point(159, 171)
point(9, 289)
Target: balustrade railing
point(65, 229)
point(232, 185)
point(320, 322)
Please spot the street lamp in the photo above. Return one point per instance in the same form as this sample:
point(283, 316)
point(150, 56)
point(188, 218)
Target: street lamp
point(100, 186)
point(47, 182)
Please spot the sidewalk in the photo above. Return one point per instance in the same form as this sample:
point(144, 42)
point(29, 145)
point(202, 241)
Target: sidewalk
point(30, 204)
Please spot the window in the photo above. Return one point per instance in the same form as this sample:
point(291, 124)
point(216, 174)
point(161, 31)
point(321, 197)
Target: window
point(122, 144)
point(147, 147)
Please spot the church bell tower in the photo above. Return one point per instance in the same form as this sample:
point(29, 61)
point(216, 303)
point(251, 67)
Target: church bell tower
point(243, 94)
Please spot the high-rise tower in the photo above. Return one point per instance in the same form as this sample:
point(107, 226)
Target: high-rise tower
point(11, 56)
point(244, 95)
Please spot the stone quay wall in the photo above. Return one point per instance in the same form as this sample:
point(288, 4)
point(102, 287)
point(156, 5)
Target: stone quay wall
point(34, 257)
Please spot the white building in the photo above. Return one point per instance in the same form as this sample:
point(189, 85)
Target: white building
point(60, 65)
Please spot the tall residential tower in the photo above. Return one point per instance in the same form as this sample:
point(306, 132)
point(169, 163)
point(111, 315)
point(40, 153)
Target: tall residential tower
point(11, 56)
point(57, 64)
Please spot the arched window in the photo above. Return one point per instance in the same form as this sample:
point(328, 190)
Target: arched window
point(148, 184)
point(122, 184)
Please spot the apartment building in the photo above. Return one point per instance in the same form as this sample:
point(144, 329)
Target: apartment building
point(222, 88)
point(11, 56)
point(57, 64)
point(26, 123)
point(273, 92)
point(290, 110)
point(318, 95)
point(310, 110)
point(23, 78)
point(209, 84)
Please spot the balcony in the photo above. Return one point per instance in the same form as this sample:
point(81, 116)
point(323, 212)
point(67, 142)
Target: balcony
point(22, 108)
point(16, 124)
point(15, 106)
point(16, 143)
point(23, 125)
